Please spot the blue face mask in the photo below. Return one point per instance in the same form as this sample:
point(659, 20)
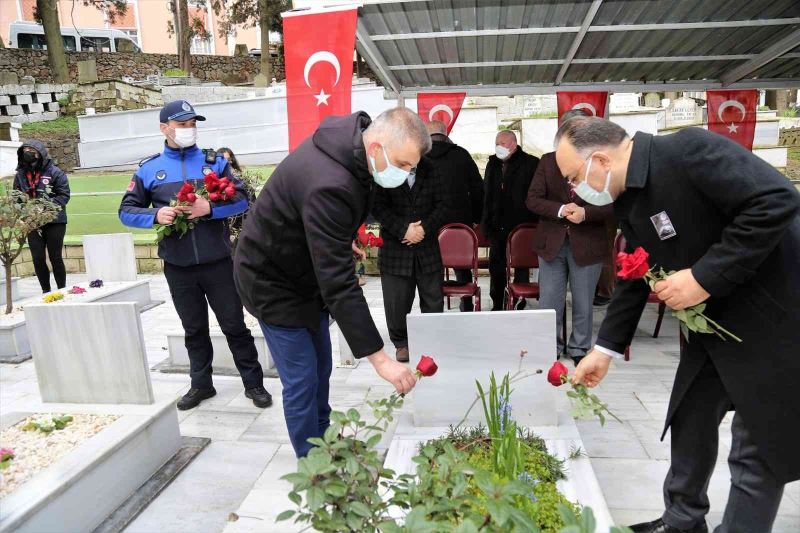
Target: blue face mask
point(589, 194)
point(391, 176)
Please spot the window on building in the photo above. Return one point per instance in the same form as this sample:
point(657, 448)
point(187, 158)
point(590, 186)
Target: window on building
point(200, 46)
point(95, 44)
point(119, 40)
point(69, 43)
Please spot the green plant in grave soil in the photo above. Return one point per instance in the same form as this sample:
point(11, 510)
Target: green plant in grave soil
point(48, 426)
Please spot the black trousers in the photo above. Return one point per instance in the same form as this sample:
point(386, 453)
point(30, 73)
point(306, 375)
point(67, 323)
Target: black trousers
point(755, 494)
point(398, 297)
point(193, 289)
point(497, 270)
point(50, 239)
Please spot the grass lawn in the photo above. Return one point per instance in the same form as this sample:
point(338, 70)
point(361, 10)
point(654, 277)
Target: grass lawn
point(90, 215)
point(62, 125)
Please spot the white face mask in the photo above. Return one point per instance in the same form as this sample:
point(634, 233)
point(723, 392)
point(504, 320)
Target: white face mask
point(502, 152)
point(185, 137)
point(589, 194)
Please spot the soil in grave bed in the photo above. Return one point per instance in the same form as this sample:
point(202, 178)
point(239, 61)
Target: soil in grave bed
point(542, 471)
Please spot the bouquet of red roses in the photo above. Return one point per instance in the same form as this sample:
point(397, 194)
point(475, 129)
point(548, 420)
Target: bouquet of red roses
point(635, 266)
point(185, 197)
point(216, 189)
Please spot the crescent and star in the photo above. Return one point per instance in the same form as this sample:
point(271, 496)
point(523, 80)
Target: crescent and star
point(321, 57)
point(443, 108)
point(732, 128)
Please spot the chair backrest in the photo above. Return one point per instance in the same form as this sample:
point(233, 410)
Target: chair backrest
point(459, 246)
point(483, 240)
point(519, 247)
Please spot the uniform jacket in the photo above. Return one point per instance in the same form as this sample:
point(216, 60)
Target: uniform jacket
point(734, 222)
point(294, 256)
point(155, 184)
point(505, 193)
point(48, 176)
point(396, 208)
point(548, 192)
point(461, 180)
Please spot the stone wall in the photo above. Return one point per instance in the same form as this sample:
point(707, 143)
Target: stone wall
point(199, 95)
point(31, 103)
point(112, 95)
point(136, 65)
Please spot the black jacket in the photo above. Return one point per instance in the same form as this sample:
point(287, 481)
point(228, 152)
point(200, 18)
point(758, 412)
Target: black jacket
point(48, 175)
point(155, 184)
point(294, 256)
point(504, 201)
point(736, 225)
point(396, 208)
point(461, 180)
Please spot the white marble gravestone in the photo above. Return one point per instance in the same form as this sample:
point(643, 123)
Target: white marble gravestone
point(89, 353)
point(682, 112)
point(110, 257)
point(469, 346)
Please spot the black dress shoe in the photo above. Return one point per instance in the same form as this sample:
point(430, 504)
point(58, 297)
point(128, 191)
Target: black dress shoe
point(193, 398)
point(658, 526)
point(260, 396)
point(600, 301)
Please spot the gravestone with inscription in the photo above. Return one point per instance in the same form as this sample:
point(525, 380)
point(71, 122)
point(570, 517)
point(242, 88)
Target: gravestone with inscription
point(682, 112)
point(652, 100)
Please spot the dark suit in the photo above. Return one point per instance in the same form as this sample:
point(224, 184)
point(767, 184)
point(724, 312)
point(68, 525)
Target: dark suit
point(506, 186)
point(568, 252)
point(736, 226)
point(404, 268)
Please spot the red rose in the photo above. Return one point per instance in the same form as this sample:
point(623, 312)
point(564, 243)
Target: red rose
point(230, 190)
point(426, 366)
point(363, 238)
point(214, 197)
point(211, 176)
point(633, 266)
point(224, 182)
point(187, 188)
point(191, 197)
point(181, 196)
point(378, 242)
point(554, 375)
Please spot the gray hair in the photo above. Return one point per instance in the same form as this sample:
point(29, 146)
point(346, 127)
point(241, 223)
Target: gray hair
point(397, 126)
point(572, 113)
point(437, 126)
point(507, 133)
point(588, 134)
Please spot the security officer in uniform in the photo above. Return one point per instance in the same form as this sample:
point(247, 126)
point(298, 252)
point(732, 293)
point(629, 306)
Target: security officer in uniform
point(197, 265)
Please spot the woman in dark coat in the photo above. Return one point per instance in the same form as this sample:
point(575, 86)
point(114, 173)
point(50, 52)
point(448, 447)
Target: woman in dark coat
point(38, 177)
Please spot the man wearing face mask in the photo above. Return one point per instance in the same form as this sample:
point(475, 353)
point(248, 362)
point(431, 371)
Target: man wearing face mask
point(197, 265)
point(508, 176)
point(294, 260)
point(38, 177)
point(727, 224)
point(571, 244)
point(410, 260)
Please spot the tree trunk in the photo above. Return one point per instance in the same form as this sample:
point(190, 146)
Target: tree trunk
point(183, 35)
point(48, 11)
point(263, 22)
point(9, 303)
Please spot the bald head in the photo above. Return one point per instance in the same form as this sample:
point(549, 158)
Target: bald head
point(437, 126)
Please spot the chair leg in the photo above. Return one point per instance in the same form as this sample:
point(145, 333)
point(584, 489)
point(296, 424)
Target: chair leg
point(509, 301)
point(662, 307)
point(478, 300)
point(448, 303)
point(628, 353)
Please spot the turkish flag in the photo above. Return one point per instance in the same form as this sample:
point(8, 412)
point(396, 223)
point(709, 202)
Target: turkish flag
point(440, 106)
point(594, 104)
point(318, 47)
point(733, 114)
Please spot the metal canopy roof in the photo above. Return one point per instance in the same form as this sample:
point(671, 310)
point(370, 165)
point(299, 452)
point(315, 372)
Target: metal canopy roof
point(540, 46)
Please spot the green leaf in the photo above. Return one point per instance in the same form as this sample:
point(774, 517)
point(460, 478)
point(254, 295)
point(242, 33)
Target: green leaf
point(361, 509)
point(588, 522)
point(337, 489)
point(499, 511)
point(295, 498)
point(702, 323)
point(466, 526)
point(374, 440)
point(353, 415)
point(315, 497)
point(286, 515)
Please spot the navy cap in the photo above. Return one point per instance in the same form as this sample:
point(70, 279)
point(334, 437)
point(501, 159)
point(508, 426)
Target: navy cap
point(179, 110)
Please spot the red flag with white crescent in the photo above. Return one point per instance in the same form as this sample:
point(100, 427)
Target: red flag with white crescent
point(440, 106)
point(318, 47)
point(594, 104)
point(733, 115)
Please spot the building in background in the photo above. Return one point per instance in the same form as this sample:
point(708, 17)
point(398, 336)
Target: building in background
point(145, 22)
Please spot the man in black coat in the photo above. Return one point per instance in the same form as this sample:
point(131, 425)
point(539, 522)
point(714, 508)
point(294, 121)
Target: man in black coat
point(462, 183)
point(410, 218)
point(294, 261)
point(507, 180)
point(727, 223)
